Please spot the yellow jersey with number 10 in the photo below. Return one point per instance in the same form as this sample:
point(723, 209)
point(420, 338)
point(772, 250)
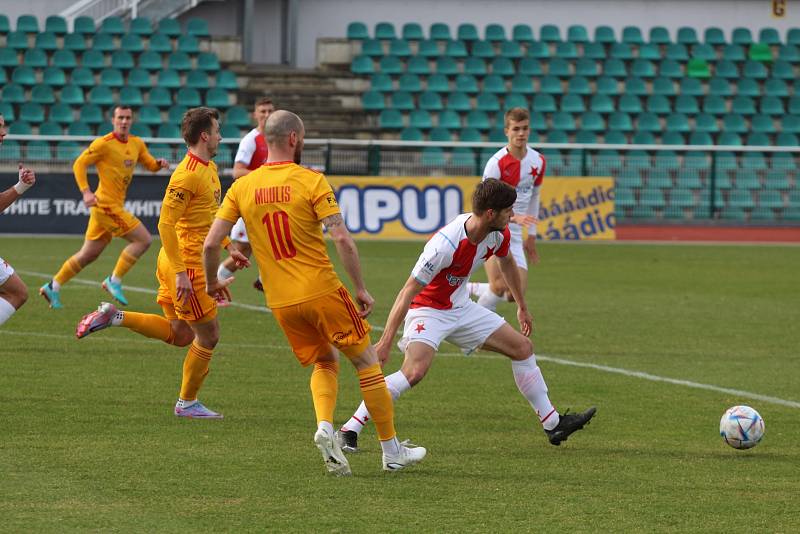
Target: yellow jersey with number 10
point(282, 205)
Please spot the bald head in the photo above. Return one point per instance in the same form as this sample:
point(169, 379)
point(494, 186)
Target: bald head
point(280, 125)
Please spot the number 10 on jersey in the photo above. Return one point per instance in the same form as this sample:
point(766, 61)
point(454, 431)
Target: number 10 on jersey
point(280, 236)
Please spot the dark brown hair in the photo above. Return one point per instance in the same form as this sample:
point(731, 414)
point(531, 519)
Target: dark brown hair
point(196, 121)
point(516, 115)
point(492, 194)
point(263, 101)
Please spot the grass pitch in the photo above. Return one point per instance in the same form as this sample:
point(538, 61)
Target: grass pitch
point(89, 441)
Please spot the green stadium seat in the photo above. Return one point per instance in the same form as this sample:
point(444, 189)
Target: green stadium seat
point(478, 120)
point(734, 122)
point(704, 51)
point(160, 43)
point(197, 27)
point(522, 84)
point(748, 87)
point(238, 116)
point(620, 121)
point(23, 75)
point(677, 52)
point(579, 85)
point(658, 104)
point(411, 134)
point(650, 52)
point(112, 26)
point(13, 93)
point(691, 87)
point(112, 78)
point(132, 43)
point(601, 103)
point(789, 53)
point(614, 137)
point(179, 61)
point(592, 121)
point(705, 122)
point(624, 197)
point(372, 48)
point(72, 95)
point(208, 62)
point(755, 70)
point(390, 119)
point(577, 34)
point(772, 105)
point(141, 26)
point(433, 157)
point(403, 101)
point(776, 87)
point(50, 128)
point(141, 130)
point(428, 48)
point(502, 66)
point(8, 58)
point(687, 36)
point(511, 50)
point(752, 161)
point(587, 137)
point(84, 25)
point(10, 151)
point(758, 139)
point(729, 138)
point(409, 82)
point(562, 120)
point(557, 136)
point(659, 35)
point(390, 65)
point(428, 101)
point(550, 85)
point(719, 87)
point(770, 200)
point(538, 121)
point(43, 94)
point(744, 105)
point(412, 32)
point(604, 35)
point(687, 104)
point(671, 69)
point(621, 51)
point(161, 97)
point(673, 138)
point(357, 31)
point(495, 33)
point(566, 50)
point(790, 124)
point(90, 114)
point(606, 85)
point(475, 66)
point(149, 115)
point(446, 66)
point(760, 52)
point(64, 59)
point(55, 24)
point(549, 33)
point(168, 131)
point(103, 42)
point(131, 96)
point(226, 79)
point(122, 60)
point(399, 48)
point(544, 103)
point(197, 79)
point(595, 51)
point(642, 68)
point(530, 67)
point(35, 58)
point(777, 180)
point(632, 35)
point(522, 33)
point(630, 103)
point(783, 70)
point(150, 61)
point(139, 78)
point(440, 31)
point(733, 52)
point(714, 36)
point(741, 36)
point(420, 118)
point(360, 65)
point(186, 96)
point(463, 156)
point(678, 122)
point(449, 119)
point(727, 69)
point(27, 24)
point(786, 139)
point(664, 86)
point(648, 122)
point(46, 41)
point(93, 59)
point(659, 178)
point(572, 103)
point(493, 83)
point(467, 32)
point(61, 113)
point(539, 50)
point(794, 104)
point(652, 198)
point(101, 95)
point(586, 67)
point(793, 36)
point(516, 100)
point(438, 83)
point(217, 97)
point(54, 77)
point(698, 68)
point(17, 40)
point(31, 113)
point(487, 102)
point(169, 27)
point(385, 31)
point(741, 199)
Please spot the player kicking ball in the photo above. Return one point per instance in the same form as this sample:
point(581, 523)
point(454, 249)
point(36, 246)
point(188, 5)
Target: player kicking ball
point(436, 307)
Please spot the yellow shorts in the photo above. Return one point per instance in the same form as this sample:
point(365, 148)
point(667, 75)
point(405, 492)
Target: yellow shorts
point(313, 326)
point(107, 222)
point(198, 308)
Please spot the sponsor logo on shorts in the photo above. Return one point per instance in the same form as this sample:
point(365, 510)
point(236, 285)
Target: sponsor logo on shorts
point(341, 337)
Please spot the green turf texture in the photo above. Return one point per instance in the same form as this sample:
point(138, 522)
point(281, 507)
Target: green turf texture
point(88, 440)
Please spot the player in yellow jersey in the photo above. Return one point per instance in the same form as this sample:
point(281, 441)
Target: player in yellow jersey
point(115, 155)
point(284, 206)
point(190, 314)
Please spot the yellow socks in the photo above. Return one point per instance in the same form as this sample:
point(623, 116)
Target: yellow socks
point(378, 400)
point(149, 325)
point(124, 264)
point(195, 369)
point(70, 268)
point(324, 387)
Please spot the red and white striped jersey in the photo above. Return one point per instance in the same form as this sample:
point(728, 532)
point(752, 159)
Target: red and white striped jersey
point(252, 150)
point(526, 175)
point(449, 259)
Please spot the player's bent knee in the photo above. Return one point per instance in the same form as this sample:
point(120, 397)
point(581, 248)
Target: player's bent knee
point(522, 348)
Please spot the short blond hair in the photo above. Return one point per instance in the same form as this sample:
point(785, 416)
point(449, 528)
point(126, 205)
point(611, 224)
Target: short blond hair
point(516, 115)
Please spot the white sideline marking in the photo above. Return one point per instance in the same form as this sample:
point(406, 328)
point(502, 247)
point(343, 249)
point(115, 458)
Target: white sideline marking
point(559, 361)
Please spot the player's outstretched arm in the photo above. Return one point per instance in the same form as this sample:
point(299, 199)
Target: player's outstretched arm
point(26, 180)
point(397, 314)
point(348, 253)
point(510, 272)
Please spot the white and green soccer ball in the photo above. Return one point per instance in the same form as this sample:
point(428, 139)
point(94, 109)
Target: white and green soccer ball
point(741, 427)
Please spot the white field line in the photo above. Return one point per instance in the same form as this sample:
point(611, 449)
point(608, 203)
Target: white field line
point(559, 361)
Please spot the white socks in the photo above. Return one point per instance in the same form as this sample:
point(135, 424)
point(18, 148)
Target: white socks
point(531, 384)
point(117, 319)
point(489, 300)
point(115, 279)
point(396, 383)
point(391, 446)
point(327, 426)
point(6, 310)
point(55, 285)
point(185, 403)
point(223, 273)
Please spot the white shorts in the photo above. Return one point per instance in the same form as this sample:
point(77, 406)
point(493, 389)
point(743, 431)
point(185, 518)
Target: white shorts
point(467, 327)
point(6, 271)
point(515, 246)
point(239, 232)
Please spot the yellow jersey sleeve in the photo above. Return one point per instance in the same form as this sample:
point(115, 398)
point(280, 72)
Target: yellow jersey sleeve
point(323, 200)
point(229, 210)
point(147, 159)
point(180, 190)
point(90, 156)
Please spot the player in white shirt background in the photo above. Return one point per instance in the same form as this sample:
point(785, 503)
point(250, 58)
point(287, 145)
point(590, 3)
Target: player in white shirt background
point(13, 291)
point(523, 168)
point(436, 307)
point(251, 154)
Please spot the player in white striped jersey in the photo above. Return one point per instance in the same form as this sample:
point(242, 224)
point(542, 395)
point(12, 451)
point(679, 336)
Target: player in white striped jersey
point(523, 168)
point(436, 307)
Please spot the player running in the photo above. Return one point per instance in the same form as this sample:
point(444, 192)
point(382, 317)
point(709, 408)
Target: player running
point(252, 154)
point(190, 314)
point(284, 206)
point(115, 155)
point(523, 168)
point(13, 291)
point(436, 307)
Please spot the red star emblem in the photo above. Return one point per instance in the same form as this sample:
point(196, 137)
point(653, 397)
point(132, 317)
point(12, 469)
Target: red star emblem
point(488, 254)
point(420, 327)
point(534, 171)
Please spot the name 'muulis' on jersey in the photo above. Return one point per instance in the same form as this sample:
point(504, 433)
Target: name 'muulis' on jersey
point(449, 259)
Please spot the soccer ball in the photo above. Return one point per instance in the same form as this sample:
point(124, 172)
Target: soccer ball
point(741, 427)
